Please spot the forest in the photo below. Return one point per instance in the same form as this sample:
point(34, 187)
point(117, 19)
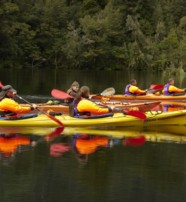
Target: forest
point(93, 34)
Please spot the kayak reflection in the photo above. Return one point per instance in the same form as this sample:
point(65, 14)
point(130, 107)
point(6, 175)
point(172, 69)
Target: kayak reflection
point(9, 144)
point(172, 107)
point(12, 142)
point(83, 142)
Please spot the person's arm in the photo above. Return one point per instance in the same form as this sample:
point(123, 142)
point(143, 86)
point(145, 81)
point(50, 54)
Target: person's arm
point(89, 106)
point(136, 90)
point(11, 105)
point(174, 89)
point(69, 91)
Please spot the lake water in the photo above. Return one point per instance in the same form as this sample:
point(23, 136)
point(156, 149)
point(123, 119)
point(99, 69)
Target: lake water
point(148, 166)
point(111, 167)
point(41, 81)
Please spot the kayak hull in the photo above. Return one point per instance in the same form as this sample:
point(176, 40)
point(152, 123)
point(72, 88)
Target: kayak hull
point(117, 120)
point(142, 106)
point(141, 97)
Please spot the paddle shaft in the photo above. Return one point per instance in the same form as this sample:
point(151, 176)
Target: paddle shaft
point(43, 112)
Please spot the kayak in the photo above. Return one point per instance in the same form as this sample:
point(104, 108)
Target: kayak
point(142, 106)
point(155, 118)
point(140, 97)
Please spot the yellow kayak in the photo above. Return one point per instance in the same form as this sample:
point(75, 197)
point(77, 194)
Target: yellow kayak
point(117, 120)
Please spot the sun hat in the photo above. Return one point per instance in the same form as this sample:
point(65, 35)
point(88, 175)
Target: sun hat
point(5, 90)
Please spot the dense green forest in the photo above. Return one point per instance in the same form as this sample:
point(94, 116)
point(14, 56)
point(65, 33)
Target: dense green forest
point(93, 34)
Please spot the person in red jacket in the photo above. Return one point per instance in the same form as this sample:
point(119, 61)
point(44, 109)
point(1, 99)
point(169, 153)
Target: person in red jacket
point(8, 106)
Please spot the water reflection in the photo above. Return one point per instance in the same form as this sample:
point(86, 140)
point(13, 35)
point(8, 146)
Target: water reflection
point(84, 141)
point(13, 142)
point(95, 165)
point(172, 107)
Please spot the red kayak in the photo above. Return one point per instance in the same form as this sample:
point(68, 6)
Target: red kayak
point(142, 106)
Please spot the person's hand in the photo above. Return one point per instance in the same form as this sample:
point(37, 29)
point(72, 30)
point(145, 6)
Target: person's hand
point(117, 110)
point(147, 90)
point(33, 106)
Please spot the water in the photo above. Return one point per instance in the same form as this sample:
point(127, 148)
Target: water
point(42, 81)
point(151, 169)
point(137, 166)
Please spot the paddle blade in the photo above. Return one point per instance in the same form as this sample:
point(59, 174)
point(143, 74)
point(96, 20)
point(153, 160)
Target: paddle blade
point(108, 91)
point(156, 87)
point(60, 94)
point(1, 85)
point(136, 114)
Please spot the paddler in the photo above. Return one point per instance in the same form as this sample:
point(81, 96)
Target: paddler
point(82, 106)
point(170, 89)
point(8, 106)
point(132, 89)
point(73, 89)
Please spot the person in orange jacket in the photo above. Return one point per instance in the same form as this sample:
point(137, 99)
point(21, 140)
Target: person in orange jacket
point(8, 106)
point(82, 106)
point(132, 89)
point(170, 89)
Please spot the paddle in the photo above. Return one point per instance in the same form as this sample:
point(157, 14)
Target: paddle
point(156, 87)
point(108, 91)
point(1, 85)
point(137, 114)
point(62, 95)
point(43, 112)
point(58, 94)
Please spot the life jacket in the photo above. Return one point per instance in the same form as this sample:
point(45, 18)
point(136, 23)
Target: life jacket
point(127, 92)
point(166, 89)
point(73, 111)
point(8, 105)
